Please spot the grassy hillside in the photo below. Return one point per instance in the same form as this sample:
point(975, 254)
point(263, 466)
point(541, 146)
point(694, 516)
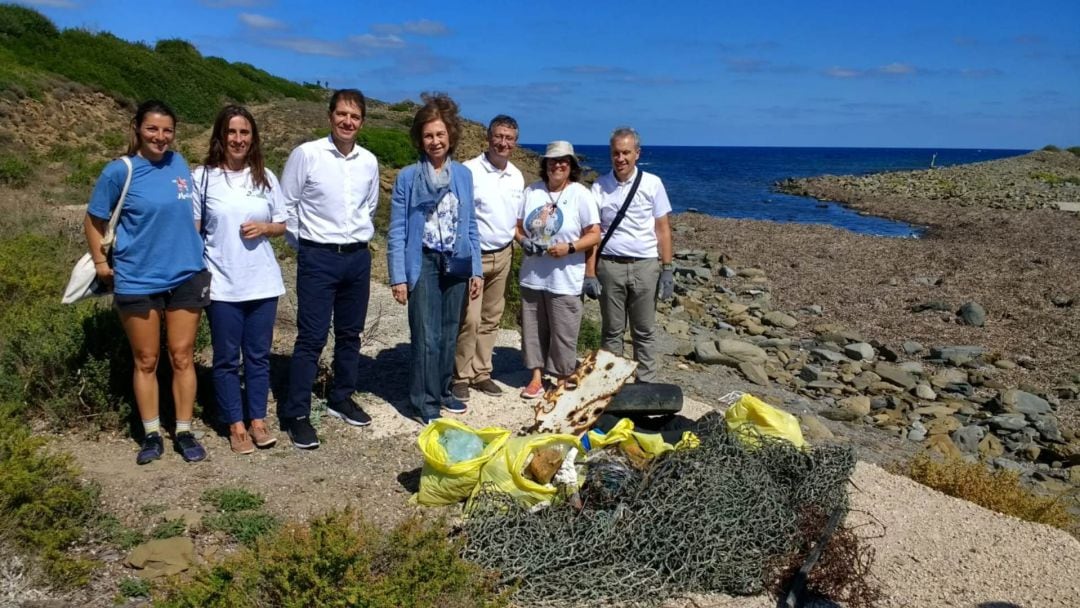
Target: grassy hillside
point(33, 50)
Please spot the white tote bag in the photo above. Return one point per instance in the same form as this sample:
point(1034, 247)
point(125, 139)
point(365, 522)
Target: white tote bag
point(84, 281)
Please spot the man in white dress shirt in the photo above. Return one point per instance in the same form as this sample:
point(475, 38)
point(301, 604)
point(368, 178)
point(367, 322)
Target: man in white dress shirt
point(634, 267)
point(498, 188)
point(331, 189)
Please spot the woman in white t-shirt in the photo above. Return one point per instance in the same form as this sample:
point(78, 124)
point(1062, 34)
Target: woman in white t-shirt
point(238, 206)
point(559, 223)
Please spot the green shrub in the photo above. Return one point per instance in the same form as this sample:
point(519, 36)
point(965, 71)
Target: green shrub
point(14, 171)
point(588, 336)
point(404, 106)
point(244, 526)
point(112, 531)
point(1074, 149)
point(511, 318)
point(169, 529)
point(392, 147)
point(230, 500)
point(44, 508)
point(1051, 148)
point(134, 587)
point(340, 560)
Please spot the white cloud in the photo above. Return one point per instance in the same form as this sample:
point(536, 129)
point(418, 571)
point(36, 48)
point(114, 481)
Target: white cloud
point(309, 46)
point(897, 69)
point(260, 22)
point(839, 72)
point(422, 27)
point(372, 41)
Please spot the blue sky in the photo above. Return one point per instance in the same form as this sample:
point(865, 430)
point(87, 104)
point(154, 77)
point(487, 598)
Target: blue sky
point(986, 74)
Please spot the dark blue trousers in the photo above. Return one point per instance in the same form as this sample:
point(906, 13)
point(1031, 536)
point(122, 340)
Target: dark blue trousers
point(327, 282)
point(434, 317)
point(245, 328)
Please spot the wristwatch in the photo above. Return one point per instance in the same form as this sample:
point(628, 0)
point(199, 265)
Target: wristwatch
point(572, 248)
point(666, 266)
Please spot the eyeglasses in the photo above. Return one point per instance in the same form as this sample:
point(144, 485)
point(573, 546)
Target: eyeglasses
point(504, 138)
point(559, 161)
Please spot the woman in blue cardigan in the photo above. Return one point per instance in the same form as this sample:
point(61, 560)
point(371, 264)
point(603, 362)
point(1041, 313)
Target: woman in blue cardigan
point(433, 253)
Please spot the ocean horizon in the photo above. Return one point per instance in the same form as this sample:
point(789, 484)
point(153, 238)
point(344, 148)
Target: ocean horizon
point(737, 181)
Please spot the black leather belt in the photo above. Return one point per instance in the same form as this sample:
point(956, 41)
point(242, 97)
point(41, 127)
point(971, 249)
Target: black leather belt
point(339, 248)
point(622, 259)
point(490, 251)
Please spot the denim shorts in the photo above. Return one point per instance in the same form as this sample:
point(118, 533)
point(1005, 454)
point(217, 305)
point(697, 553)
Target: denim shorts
point(193, 293)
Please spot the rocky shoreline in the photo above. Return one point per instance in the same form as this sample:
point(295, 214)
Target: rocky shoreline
point(904, 340)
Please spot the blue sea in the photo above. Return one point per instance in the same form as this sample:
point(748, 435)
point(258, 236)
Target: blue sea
point(736, 182)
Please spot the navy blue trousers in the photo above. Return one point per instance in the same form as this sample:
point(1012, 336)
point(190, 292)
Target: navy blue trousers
point(434, 317)
point(327, 282)
point(242, 328)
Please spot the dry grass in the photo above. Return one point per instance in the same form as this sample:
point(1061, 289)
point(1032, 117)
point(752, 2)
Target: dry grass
point(999, 491)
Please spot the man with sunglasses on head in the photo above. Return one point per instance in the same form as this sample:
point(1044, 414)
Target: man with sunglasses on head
point(498, 188)
point(634, 265)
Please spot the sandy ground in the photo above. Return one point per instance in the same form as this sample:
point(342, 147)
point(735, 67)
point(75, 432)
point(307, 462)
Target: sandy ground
point(932, 550)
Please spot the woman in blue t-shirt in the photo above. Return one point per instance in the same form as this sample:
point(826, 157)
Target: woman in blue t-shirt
point(157, 269)
point(238, 205)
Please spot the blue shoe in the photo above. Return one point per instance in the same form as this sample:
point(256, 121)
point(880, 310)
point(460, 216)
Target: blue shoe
point(152, 448)
point(453, 406)
point(189, 447)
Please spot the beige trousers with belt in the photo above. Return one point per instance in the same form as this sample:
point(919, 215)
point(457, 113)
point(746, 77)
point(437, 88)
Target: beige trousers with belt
point(480, 320)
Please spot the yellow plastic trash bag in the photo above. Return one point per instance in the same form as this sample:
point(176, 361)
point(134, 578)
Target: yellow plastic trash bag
point(763, 417)
point(651, 443)
point(443, 482)
point(506, 470)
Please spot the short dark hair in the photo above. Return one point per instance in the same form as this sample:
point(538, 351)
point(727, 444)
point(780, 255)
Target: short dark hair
point(437, 106)
point(575, 169)
point(502, 120)
point(150, 106)
point(350, 96)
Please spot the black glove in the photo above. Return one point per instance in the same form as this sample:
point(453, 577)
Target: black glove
point(530, 247)
point(665, 287)
point(592, 288)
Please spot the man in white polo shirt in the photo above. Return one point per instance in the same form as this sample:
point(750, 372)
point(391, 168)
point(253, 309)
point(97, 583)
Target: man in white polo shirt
point(498, 188)
point(331, 188)
point(634, 266)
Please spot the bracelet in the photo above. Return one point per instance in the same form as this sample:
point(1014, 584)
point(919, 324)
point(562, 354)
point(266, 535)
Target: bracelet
point(572, 248)
point(666, 266)
point(101, 262)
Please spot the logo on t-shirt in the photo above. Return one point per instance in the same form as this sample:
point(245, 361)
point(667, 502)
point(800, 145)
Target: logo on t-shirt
point(544, 222)
point(183, 189)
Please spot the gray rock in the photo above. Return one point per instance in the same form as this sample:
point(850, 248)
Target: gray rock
point(889, 353)
point(752, 273)
point(736, 351)
point(677, 327)
point(825, 385)
point(864, 380)
point(917, 432)
point(860, 351)
point(824, 354)
point(972, 313)
point(813, 309)
point(859, 404)
point(912, 348)
point(815, 429)
point(705, 351)
point(947, 376)
point(700, 273)
point(754, 372)
point(727, 272)
point(812, 373)
point(1007, 465)
point(779, 319)
point(967, 438)
point(892, 373)
point(923, 391)
point(956, 355)
point(1048, 429)
point(958, 388)
point(840, 414)
point(1008, 422)
point(912, 367)
point(1021, 401)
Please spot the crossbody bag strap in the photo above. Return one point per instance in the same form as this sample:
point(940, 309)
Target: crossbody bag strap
point(202, 210)
point(110, 232)
point(622, 212)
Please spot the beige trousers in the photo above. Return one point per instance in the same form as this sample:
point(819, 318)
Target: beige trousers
point(480, 320)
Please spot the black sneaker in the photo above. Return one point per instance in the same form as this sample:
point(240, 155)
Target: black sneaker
point(301, 432)
point(460, 391)
point(347, 411)
point(189, 447)
point(488, 387)
point(152, 448)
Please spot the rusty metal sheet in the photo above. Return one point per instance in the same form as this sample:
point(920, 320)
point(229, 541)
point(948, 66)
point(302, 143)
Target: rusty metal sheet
point(574, 410)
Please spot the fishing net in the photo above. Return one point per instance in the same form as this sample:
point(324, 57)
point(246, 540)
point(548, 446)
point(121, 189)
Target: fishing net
point(710, 519)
